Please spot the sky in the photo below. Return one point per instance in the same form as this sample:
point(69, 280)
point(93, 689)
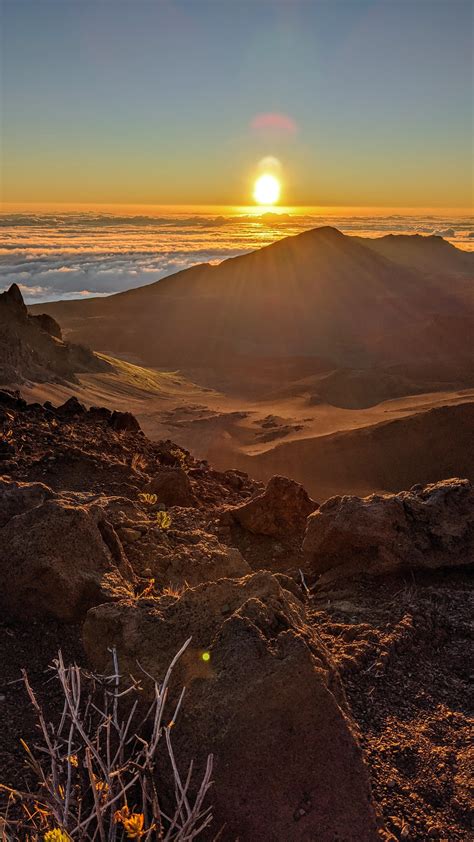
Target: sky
point(363, 102)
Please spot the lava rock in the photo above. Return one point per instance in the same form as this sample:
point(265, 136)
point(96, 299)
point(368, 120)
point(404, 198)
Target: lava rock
point(124, 422)
point(280, 510)
point(71, 407)
point(11, 399)
point(58, 559)
point(428, 527)
point(100, 413)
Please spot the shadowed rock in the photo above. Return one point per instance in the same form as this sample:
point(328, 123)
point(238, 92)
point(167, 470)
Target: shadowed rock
point(71, 407)
point(57, 557)
point(124, 422)
point(48, 324)
point(266, 700)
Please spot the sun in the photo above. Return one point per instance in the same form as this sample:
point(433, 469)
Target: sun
point(266, 190)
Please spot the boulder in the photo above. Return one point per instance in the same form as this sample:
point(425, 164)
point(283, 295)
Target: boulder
point(266, 700)
point(172, 487)
point(282, 508)
point(58, 559)
point(124, 422)
point(193, 564)
point(428, 527)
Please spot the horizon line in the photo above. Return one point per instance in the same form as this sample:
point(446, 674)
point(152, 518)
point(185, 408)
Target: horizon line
point(254, 210)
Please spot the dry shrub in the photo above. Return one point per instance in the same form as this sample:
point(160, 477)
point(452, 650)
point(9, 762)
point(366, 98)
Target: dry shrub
point(96, 768)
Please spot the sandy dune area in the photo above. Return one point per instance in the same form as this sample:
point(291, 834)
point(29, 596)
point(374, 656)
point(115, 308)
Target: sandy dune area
point(330, 449)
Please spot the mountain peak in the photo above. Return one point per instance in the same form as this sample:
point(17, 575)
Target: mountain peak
point(13, 300)
point(326, 231)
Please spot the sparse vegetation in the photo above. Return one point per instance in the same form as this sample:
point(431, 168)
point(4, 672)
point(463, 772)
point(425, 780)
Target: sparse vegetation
point(138, 462)
point(148, 590)
point(163, 520)
point(148, 499)
point(173, 591)
point(97, 768)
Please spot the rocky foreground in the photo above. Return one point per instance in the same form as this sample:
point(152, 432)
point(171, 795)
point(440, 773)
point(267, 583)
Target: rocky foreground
point(334, 689)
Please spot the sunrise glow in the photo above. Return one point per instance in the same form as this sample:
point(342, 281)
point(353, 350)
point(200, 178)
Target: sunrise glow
point(267, 189)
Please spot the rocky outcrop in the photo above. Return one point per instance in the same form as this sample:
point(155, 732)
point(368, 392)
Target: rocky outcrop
point(32, 347)
point(281, 509)
point(57, 557)
point(12, 304)
point(428, 527)
point(262, 695)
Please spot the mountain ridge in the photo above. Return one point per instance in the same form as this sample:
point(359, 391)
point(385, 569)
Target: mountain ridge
point(426, 252)
point(316, 294)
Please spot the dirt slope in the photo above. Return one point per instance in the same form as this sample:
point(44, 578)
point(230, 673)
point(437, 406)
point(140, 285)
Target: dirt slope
point(425, 447)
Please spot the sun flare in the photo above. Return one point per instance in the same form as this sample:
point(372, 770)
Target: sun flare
point(266, 190)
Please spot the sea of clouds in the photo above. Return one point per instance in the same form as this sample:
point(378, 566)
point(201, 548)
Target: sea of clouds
point(74, 255)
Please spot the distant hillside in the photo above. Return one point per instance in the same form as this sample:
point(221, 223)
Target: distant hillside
point(32, 347)
point(425, 447)
point(426, 253)
point(316, 295)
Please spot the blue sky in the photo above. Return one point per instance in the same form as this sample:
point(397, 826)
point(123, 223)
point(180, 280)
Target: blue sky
point(153, 102)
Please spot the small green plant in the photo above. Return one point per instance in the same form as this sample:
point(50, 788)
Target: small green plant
point(56, 836)
point(148, 499)
point(163, 520)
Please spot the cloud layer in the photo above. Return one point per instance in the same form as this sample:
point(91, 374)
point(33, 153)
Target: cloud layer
point(73, 255)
